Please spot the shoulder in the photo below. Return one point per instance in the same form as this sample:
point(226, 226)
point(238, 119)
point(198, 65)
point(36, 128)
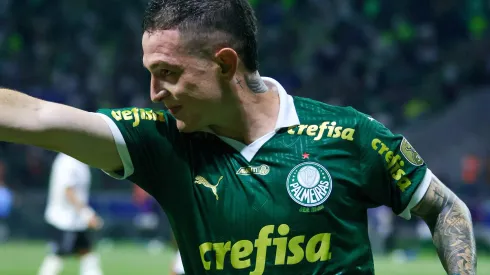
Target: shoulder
point(135, 124)
point(344, 122)
point(309, 109)
point(336, 121)
point(136, 116)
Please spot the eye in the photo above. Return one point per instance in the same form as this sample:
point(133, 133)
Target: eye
point(165, 72)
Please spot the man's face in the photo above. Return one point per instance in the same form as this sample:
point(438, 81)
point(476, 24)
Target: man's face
point(189, 86)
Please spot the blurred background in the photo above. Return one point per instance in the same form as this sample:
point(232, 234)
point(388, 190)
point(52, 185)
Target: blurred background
point(421, 67)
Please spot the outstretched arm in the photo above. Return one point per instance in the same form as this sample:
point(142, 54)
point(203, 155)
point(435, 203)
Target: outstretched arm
point(452, 231)
point(82, 135)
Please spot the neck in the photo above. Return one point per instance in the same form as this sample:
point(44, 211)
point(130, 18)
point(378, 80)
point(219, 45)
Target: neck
point(251, 114)
point(255, 83)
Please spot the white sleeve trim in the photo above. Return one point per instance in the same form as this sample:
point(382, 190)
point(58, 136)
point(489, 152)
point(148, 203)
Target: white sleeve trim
point(178, 265)
point(122, 149)
point(418, 195)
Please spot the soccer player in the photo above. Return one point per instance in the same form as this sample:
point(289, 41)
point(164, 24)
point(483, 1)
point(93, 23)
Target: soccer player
point(70, 217)
point(148, 219)
point(253, 180)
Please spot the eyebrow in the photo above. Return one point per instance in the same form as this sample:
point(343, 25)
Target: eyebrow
point(159, 63)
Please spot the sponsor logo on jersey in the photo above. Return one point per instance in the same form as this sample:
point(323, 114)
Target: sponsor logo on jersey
point(410, 154)
point(137, 114)
point(204, 182)
point(309, 184)
point(330, 129)
point(395, 164)
point(289, 250)
point(256, 170)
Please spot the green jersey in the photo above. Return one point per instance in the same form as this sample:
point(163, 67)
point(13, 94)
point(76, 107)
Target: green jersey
point(293, 202)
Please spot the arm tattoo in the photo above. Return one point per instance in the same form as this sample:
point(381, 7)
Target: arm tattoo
point(452, 231)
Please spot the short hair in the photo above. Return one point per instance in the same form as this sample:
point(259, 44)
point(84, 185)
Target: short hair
point(208, 24)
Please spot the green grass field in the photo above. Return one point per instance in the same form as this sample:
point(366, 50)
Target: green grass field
point(123, 259)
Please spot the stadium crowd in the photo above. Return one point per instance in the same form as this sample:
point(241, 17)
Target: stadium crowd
point(397, 60)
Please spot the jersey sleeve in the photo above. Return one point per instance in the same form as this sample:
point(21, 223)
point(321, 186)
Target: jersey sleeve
point(148, 143)
point(393, 172)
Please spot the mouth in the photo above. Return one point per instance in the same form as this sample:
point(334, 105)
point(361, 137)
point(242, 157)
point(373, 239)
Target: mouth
point(175, 110)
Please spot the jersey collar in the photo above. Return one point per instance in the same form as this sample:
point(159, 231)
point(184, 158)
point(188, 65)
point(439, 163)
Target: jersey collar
point(288, 116)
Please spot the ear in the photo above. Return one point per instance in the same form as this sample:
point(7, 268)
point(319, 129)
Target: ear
point(227, 59)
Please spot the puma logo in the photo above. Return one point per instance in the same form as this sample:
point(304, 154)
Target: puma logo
point(205, 182)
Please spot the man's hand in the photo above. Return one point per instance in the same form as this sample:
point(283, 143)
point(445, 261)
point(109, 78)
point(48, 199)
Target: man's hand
point(93, 220)
point(82, 135)
point(96, 222)
point(452, 231)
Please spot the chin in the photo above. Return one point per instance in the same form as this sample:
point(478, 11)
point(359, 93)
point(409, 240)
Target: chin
point(184, 127)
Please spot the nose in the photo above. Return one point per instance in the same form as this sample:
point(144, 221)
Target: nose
point(157, 92)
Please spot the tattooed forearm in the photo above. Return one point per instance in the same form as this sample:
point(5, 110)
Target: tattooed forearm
point(450, 223)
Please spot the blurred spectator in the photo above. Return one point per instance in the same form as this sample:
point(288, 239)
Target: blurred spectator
point(6, 201)
point(149, 217)
point(487, 169)
point(471, 165)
